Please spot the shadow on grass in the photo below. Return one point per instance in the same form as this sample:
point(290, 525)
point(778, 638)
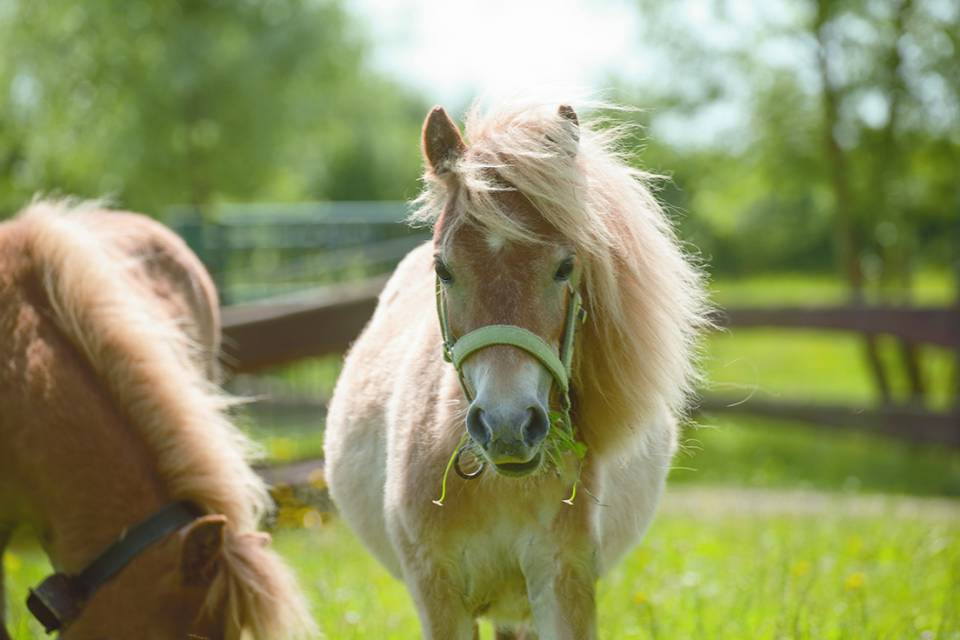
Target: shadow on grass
point(765, 453)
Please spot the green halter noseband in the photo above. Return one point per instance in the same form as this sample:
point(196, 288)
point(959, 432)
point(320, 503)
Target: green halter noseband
point(457, 350)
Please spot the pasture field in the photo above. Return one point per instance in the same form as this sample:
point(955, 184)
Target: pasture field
point(716, 564)
point(720, 571)
point(769, 529)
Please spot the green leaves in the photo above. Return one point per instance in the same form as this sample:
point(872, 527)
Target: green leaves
point(560, 441)
point(561, 438)
point(190, 103)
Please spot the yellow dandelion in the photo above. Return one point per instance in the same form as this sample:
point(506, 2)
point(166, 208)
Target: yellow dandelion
point(640, 598)
point(854, 581)
point(282, 493)
point(290, 516)
point(317, 480)
point(312, 519)
point(800, 568)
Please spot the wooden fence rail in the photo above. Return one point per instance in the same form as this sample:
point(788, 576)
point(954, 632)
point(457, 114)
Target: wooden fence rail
point(326, 321)
point(938, 326)
point(283, 331)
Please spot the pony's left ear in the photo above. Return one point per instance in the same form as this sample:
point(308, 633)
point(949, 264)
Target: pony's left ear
point(201, 543)
point(567, 113)
point(442, 143)
point(260, 538)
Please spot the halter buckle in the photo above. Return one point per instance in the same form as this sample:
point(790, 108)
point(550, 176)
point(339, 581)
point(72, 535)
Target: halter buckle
point(55, 602)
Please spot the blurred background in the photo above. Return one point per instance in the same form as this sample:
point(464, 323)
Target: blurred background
point(812, 150)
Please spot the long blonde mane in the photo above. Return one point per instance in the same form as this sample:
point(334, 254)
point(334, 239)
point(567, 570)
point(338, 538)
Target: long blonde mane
point(645, 297)
point(146, 362)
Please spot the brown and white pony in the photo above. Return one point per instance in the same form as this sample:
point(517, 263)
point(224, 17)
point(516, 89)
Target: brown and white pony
point(531, 197)
point(109, 333)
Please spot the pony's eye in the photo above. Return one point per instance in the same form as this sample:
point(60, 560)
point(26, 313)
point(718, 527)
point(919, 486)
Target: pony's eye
point(442, 272)
point(564, 270)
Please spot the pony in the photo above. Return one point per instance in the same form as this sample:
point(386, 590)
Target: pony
point(112, 427)
point(562, 355)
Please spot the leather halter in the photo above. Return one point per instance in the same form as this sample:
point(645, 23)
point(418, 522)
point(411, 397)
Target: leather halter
point(59, 599)
point(457, 350)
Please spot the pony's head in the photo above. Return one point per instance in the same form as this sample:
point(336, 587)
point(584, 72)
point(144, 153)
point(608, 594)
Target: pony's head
point(164, 593)
point(491, 278)
point(184, 586)
point(533, 207)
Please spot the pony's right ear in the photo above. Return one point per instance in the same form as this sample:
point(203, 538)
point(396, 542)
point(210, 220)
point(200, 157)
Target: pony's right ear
point(566, 112)
point(442, 143)
point(201, 546)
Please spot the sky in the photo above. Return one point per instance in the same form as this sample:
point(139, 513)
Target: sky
point(454, 50)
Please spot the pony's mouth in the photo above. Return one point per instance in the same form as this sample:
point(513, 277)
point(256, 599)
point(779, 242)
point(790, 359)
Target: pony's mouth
point(520, 469)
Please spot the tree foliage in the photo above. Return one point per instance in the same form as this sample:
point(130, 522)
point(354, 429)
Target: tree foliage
point(849, 131)
point(156, 103)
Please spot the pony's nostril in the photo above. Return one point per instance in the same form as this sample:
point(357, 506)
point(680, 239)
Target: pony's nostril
point(477, 427)
point(536, 426)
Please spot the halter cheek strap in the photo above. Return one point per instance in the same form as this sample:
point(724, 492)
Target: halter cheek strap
point(59, 599)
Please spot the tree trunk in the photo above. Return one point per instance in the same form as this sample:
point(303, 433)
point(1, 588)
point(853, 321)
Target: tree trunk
point(845, 238)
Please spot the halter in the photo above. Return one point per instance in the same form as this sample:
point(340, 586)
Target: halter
point(457, 350)
point(60, 598)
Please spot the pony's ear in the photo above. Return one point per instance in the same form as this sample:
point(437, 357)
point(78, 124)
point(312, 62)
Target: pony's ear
point(567, 113)
point(442, 143)
point(201, 543)
point(260, 538)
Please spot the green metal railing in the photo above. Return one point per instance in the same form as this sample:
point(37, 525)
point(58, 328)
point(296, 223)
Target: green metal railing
point(257, 251)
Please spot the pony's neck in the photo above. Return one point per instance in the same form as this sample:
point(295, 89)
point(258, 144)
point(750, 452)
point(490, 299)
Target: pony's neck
point(92, 493)
point(71, 467)
point(88, 474)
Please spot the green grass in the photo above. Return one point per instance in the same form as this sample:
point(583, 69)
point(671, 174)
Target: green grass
point(931, 287)
point(736, 577)
point(727, 574)
point(827, 576)
point(756, 453)
point(820, 366)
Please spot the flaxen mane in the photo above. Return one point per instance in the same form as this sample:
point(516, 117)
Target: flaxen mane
point(146, 363)
point(645, 300)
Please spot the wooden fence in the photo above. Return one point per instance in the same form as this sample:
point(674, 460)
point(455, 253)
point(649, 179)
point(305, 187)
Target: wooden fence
point(258, 336)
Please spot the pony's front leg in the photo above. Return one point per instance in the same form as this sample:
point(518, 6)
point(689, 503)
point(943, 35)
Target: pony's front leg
point(561, 588)
point(441, 610)
point(439, 602)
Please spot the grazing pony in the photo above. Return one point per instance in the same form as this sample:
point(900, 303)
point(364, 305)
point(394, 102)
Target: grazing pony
point(115, 448)
point(534, 215)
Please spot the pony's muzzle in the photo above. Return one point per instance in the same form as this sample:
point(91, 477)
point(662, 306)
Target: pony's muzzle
point(509, 436)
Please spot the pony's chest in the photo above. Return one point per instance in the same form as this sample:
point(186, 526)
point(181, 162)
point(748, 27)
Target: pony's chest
point(494, 562)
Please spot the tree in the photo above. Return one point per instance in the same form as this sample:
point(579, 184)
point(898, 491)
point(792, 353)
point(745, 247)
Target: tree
point(163, 103)
point(847, 113)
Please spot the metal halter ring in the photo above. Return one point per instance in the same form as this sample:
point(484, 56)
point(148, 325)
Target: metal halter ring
point(463, 474)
